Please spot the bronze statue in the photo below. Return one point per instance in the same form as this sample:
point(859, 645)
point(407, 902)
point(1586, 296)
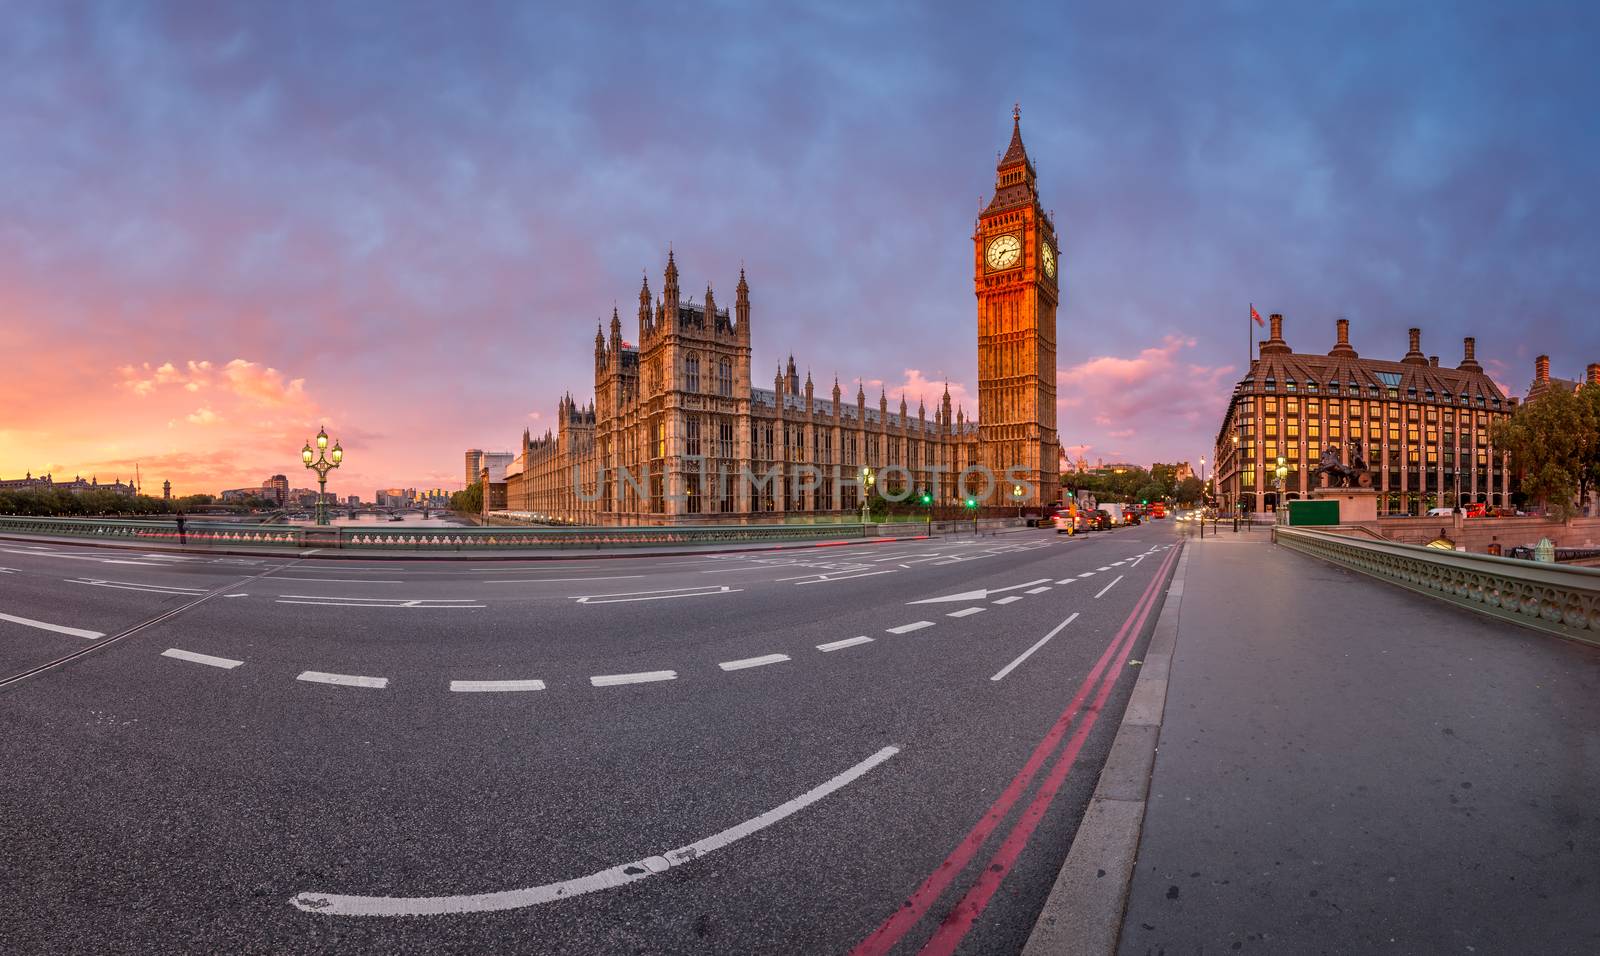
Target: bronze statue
point(1335, 473)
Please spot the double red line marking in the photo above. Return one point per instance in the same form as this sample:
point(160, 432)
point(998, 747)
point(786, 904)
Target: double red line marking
point(960, 918)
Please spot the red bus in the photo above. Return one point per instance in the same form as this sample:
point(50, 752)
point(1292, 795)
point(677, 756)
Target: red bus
point(1158, 510)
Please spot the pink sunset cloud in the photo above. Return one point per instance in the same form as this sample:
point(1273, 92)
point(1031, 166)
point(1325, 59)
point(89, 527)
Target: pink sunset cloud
point(1157, 390)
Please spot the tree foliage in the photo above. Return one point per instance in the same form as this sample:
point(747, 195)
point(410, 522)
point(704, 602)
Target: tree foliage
point(57, 502)
point(1554, 443)
point(469, 501)
point(1190, 490)
point(1126, 484)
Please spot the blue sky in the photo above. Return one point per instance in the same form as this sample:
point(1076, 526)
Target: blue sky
point(406, 219)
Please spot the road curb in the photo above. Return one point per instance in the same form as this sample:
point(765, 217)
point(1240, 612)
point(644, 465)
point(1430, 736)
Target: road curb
point(314, 554)
point(1082, 916)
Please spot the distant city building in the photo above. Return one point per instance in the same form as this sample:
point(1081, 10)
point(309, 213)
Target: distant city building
point(76, 486)
point(498, 464)
point(1423, 429)
point(166, 491)
point(276, 489)
point(474, 466)
point(1181, 471)
point(239, 495)
point(354, 501)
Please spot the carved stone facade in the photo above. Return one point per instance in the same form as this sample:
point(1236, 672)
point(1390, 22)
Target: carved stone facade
point(677, 431)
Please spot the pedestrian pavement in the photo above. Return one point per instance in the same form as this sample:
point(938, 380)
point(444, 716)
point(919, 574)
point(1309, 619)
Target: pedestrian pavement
point(1347, 767)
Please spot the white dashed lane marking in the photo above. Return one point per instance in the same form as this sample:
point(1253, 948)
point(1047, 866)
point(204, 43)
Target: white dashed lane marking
point(966, 612)
point(643, 677)
point(1008, 600)
point(753, 662)
point(491, 686)
point(1037, 590)
point(344, 680)
point(841, 645)
point(58, 628)
point(223, 662)
point(908, 628)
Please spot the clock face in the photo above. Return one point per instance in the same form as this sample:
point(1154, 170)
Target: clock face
point(1048, 257)
point(1003, 252)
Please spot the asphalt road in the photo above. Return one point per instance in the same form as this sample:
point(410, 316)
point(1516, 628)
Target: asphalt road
point(871, 749)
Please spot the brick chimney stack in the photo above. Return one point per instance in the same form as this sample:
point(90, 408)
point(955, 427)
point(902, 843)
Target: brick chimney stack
point(1433, 361)
point(1414, 356)
point(1593, 377)
point(1342, 346)
point(1541, 369)
point(1276, 342)
point(1469, 355)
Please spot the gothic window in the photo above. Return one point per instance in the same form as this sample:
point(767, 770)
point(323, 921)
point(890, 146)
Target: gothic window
point(692, 436)
point(691, 373)
point(725, 438)
point(725, 378)
point(692, 494)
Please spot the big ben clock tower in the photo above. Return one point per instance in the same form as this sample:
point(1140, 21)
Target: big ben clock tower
point(1015, 276)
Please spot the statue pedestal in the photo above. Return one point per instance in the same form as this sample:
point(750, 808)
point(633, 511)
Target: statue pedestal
point(1356, 505)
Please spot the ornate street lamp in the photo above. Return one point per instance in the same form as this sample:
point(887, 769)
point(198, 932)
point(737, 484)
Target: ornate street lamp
point(867, 479)
point(1282, 473)
point(322, 461)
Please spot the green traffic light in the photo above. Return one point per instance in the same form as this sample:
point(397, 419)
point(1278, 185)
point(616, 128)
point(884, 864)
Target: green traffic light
point(972, 502)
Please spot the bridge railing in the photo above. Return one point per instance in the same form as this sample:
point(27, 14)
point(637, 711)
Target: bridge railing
point(196, 532)
point(1560, 599)
point(231, 534)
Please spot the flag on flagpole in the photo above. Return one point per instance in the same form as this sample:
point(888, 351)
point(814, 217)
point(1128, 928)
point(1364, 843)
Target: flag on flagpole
point(1257, 317)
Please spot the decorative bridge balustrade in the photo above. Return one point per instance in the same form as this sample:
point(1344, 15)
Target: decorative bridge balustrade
point(228, 534)
point(1556, 598)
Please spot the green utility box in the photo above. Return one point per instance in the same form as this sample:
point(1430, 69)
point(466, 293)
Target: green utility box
point(1313, 513)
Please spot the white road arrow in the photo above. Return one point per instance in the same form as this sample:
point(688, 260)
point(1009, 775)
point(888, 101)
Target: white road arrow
point(978, 595)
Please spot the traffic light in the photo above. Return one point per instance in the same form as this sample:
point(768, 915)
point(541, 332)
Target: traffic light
point(927, 499)
point(1144, 501)
point(971, 502)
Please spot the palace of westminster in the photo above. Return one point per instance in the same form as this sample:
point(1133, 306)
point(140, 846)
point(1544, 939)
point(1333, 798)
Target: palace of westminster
point(676, 422)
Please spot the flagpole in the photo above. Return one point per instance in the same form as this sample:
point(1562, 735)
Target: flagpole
point(1250, 353)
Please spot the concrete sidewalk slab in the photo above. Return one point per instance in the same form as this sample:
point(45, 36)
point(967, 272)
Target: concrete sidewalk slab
point(1347, 767)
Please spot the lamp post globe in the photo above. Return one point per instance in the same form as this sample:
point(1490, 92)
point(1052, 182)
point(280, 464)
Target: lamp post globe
point(322, 461)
